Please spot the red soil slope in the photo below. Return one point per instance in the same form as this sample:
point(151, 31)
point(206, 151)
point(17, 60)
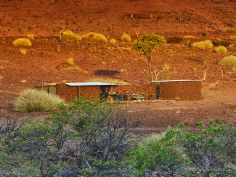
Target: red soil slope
point(48, 17)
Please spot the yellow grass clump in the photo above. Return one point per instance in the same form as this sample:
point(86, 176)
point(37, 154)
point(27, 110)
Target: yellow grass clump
point(22, 42)
point(221, 49)
point(113, 41)
point(125, 37)
point(68, 35)
point(70, 61)
point(229, 61)
point(23, 51)
point(207, 44)
point(32, 100)
point(99, 38)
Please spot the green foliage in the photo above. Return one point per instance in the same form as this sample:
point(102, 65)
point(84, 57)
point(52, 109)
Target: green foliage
point(220, 50)
point(207, 44)
point(22, 42)
point(148, 42)
point(229, 61)
point(210, 151)
point(80, 136)
point(125, 37)
point(34, 100)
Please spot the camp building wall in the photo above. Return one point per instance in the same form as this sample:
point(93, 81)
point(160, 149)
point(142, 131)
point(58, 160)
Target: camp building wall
point(181, 90)
point(70, 93)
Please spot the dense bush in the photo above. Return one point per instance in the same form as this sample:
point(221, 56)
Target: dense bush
point(125, 37)
point(82, 139)
point(207, 44)
point(220, 50)
point(34, 100)
point(22, 42)
point(210, 151)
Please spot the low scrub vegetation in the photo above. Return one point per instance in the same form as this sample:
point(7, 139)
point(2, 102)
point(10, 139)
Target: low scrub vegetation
point(220, 50)
point(229, 61)
point(22, 42)
point(210, 151)
point(227, 65)
point(93, 139)
point(23, 51)
point(34, 100)
point(68, 35)
point(99, 38)
point(125, 37)
point(83, 139)
point(113, 41)
point(207, 44)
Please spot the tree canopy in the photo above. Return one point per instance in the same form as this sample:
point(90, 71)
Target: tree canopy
point(148, 42)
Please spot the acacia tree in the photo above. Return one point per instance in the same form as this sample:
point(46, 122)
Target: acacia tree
point(146, 44)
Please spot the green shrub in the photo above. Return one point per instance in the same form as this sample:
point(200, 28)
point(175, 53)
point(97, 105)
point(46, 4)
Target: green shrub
point(207, 44)
point(209, 151)
point(22, 42)
point(68, 35)
point(125, 37)
point(221, 50)
point(34, 100)
point(229, 61)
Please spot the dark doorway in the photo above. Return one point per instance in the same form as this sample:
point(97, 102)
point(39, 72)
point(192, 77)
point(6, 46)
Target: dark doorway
point(158, 92)
point(103, 92)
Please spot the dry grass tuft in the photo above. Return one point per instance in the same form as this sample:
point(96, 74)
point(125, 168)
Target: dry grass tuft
point(99, 38)
point(22, 42)
point(113, 41)
point(68, 35)
point(70, 61)
point(23, 51)
point(31, 100)
point(221, 49)
point(125, 37)
point(207, 44)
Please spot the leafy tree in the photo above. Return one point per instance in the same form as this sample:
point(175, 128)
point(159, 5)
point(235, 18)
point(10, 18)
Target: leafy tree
point(146, 44)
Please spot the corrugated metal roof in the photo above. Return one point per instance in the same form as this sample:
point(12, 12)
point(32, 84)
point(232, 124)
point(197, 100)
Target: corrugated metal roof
point(80, 84)
point(177, 81)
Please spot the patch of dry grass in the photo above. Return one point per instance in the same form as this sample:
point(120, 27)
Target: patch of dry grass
point(22, 42)
point(207, 44)
point(31, 100)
